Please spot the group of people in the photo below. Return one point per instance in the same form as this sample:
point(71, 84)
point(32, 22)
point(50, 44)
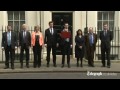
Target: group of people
point(88, 43)
point(36, 41)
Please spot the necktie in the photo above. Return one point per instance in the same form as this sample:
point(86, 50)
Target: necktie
point(51, 31)
point(105, 33)
point(91, 40)
point(24, 34)
point(9, 39)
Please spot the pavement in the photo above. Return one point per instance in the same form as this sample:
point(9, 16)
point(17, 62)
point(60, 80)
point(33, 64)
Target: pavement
point(115, 67)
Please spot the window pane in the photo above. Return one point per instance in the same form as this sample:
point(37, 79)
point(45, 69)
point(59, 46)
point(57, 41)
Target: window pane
point(105, 15)
point(16, 15)
point(108, 18)
point(111, 15)
point(99, 25)
point(22, 15)
point(10, 23)
point(99, 15)
point(10, 15)
point(21, 23)
point(105, 22)
point(16, 25)
point(111, 25)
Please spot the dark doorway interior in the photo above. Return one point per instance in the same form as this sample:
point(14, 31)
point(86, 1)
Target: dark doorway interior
point(59, 19)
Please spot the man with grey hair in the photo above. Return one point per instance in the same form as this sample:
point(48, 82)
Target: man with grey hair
point(24, 43)
point(90, 42)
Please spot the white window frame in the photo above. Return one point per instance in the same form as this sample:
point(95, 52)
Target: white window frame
point(108, 20)
point(13, 20)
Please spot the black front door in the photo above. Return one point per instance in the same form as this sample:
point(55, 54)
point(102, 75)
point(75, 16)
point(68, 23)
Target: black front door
point(59, 19)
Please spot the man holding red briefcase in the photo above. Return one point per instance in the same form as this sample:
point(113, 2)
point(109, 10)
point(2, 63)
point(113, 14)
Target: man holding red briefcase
point(66, 44)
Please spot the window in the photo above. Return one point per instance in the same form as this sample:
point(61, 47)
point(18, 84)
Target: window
point(16, 19)
point(106, 17)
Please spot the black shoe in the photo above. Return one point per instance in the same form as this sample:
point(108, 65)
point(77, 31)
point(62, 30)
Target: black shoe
point(77, 64)
point(6, 67)
point(108, 66)
point(62, 66)
point(21, 66)
point(12, 67)
point(47, 65)
point(68, 65)
point(89, 65)
point(55, 65)
point(81, 65)
point(27, 66)
point(92, 66)
point(39, 66)
point(103, 66)
point(34, 66)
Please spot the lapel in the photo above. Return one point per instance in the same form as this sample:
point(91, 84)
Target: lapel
point(53, 31)
point(6, 36)
point(26, 33)
point(49, 31)
point(107, 33)
point(79, 37)
point(94, 37)
point(22, 33)
point(11, 35)
point(88, 36)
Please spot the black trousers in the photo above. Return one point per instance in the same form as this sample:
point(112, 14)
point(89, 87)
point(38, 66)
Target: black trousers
point(9, 52)
point(105, 52)
point(24, 47)
point(53, 47)
point(66, 51)
point(37, 55)
point(90, 53)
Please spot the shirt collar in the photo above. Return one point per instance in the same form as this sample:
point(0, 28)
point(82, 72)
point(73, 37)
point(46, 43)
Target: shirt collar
point(51, 28)
point(24, 30)
point(9, 32)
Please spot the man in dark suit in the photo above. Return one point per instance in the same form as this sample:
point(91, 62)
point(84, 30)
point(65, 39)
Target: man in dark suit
point(66, 45)
point(9, 44)
point(51, 43)
point(106, 37)
point(90, 42)
point(24, 43)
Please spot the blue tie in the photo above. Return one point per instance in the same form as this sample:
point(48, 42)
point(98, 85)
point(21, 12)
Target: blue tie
point(91, 40)
point(9, 40)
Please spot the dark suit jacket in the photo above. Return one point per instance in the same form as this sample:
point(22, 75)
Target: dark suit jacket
point(28, 39)
point(87, 42)
point(51, 39)
point(79, 42)
point(13, 40)
point(105, 40)
point(63, 40)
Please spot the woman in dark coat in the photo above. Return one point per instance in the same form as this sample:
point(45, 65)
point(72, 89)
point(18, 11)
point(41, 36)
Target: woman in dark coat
point(79, 47)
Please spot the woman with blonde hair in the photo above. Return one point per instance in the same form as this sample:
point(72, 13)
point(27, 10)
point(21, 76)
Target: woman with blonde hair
point(37, 42)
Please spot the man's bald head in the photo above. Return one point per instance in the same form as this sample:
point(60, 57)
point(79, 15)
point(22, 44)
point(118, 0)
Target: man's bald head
point(90, 30)
point(24, 27)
